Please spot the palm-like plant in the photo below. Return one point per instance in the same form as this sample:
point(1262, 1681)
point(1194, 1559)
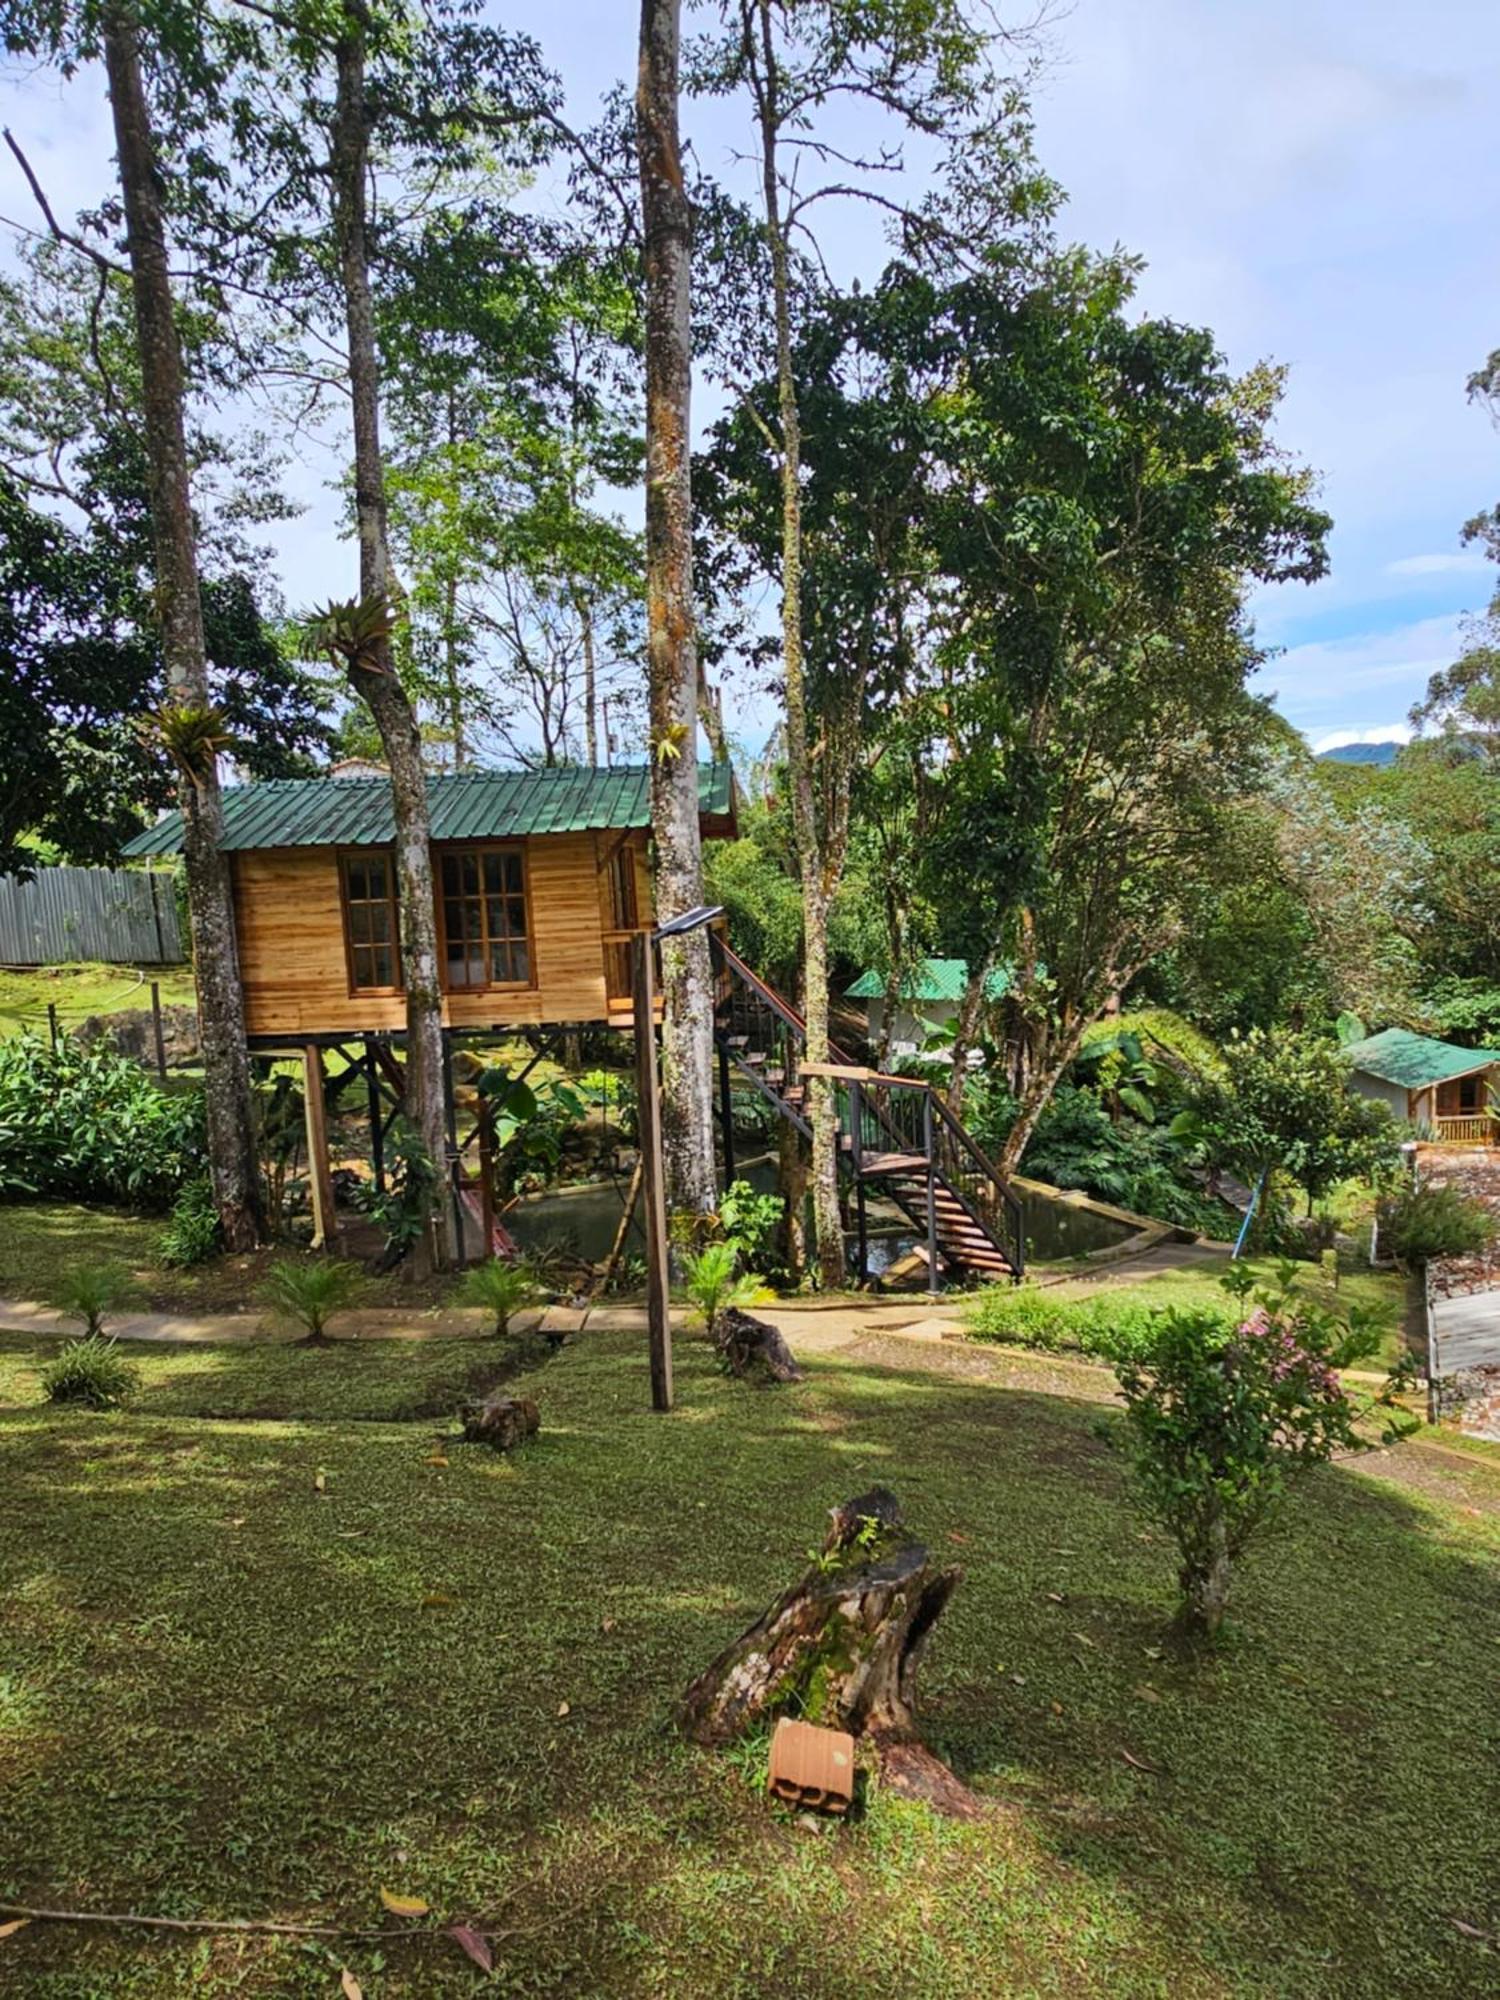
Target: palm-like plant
point(90, 1291)
point(353, 632)
point(715, 1284)
point(501, 1289)
point(310, 1294)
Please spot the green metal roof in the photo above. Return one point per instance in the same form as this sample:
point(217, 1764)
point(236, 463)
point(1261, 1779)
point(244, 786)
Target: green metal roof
point(939, 979)
point(468, 805)
point(1415, 1061)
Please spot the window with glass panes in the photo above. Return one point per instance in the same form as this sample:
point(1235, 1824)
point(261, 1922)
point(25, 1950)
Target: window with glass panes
point(370, 922)
point(484, 918)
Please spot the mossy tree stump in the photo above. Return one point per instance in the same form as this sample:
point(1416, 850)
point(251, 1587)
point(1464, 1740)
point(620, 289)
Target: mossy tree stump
point(842, 1648)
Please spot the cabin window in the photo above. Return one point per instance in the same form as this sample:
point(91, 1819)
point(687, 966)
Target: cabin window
point(485, 932)
point(370, 922)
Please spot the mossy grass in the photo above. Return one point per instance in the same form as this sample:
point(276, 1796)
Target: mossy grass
point(269, 1668)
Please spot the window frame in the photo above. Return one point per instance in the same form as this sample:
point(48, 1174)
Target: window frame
point(444, 850)
point(347, 857)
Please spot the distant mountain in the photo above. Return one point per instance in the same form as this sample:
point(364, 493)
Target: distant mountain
point(1360, 753)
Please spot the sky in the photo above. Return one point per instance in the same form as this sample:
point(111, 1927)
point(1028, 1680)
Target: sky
point(1315, 180)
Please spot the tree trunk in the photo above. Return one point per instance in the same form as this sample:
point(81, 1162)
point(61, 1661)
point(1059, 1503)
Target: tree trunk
point(841, 1649)
point(828, 1226)
point(750, 1346)
point(228, 1098)
point(379, 685)
point(791, 1185)
point(585, 612)
point(687, 981)
point(966, 1030)
point(1042, 1078)
point(1205, 1586)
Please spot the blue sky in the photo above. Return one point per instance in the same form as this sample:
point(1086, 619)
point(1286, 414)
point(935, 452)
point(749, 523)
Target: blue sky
point(1317, 180)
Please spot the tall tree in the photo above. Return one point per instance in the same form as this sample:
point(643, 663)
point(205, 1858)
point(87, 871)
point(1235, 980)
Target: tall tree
point(191, 727)
point(912, 67)
point(672, 664)
point(371, 663)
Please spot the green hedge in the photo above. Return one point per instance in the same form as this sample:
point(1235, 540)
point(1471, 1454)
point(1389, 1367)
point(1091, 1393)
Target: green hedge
point(89, 1124)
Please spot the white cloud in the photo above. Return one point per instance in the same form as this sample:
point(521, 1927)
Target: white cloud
point(1390, 732)
point(1437, 565)
point(1318, 685)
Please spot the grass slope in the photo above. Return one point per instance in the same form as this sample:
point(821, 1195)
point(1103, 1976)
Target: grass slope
point(225, 1691)
point(83, 989)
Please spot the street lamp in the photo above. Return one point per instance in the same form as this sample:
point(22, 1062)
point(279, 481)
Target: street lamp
point(648, 1120)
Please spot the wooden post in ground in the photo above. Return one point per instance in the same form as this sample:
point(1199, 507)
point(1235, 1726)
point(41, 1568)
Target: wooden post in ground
point(52, 1023)
point(319, 1175)
point(161, 1046)
point(486, 1178)
point(653, 1169)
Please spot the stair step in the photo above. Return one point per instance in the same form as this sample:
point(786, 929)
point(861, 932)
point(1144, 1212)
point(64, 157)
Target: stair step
point(891, 1163)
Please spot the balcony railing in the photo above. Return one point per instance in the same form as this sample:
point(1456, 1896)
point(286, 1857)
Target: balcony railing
point(1479, 1128)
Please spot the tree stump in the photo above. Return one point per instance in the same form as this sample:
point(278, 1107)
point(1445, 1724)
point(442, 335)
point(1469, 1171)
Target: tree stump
point(750, 1346)
point(841, 1648)
point(500, 1421)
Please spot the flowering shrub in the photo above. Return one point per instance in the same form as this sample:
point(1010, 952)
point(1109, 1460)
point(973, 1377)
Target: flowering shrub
point(1223, 1409)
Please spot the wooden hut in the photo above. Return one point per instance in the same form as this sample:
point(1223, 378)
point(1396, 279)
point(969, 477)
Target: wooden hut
point(541, 879)
point(1447, 1092)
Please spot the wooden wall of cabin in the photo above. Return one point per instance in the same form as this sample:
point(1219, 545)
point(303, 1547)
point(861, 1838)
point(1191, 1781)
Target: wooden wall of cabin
point(295, 966)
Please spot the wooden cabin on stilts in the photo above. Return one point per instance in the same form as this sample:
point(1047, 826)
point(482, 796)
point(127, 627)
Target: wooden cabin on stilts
point(542, 881)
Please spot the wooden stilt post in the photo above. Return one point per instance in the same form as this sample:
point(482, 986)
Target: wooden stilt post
point(454, 1169)
point(161, 1046)
point(726, 1114)
point(377, 1117)
point(319, 1175)
point(653, 1174)
point(486, 1178)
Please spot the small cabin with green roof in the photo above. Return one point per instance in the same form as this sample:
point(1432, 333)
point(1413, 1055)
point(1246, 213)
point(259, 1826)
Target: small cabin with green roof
point(541, 879)
point(1450, 1093)
point(930, 998)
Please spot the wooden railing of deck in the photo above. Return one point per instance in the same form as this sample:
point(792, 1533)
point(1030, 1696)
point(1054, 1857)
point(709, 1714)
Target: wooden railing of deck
point(1472, 1129)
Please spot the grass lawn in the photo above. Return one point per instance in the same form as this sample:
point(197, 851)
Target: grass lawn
point(266, 1668)
point(83, 989)
point(38, 1240)
point(1198, 1284)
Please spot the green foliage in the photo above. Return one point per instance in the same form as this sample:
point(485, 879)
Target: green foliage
point(87, 1292)
point(1286, 1101)
point(1223, 1408)
point(1435, 1220)
point(714, 1283)
point(750, 1222)
point(192, 1234)
point(1076, 1144)
point(309, 1294)
point(91, 1371)
point(1466, 1010)
point(501, 1289)
point(88, 1122)
point(532, 1127)
point(403, 1209)
point(1026, 1316)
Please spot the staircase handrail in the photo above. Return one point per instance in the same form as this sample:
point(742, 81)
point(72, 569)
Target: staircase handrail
point(982, 1160)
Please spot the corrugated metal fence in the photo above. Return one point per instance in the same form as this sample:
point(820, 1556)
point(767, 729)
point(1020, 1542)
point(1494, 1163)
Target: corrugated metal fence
point(124, 916)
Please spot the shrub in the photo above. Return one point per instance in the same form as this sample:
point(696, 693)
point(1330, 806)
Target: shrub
point(89, 1124)
point(750, 1222)
point(90, 1291)
point(192, 1234)
point(310, 1294)
point(1223, 1409)
point(501, 1289)
point(91, 1371)
point(715, 1284)
point(403, 1209)
point(1435, 1220)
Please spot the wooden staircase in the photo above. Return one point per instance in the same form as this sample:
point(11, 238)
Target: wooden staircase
point(895, 1133)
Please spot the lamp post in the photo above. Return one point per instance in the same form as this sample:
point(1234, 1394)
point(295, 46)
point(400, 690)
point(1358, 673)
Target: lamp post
point(653, 1164)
